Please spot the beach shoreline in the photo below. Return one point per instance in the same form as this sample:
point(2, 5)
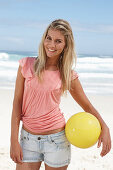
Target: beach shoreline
point(82, 159)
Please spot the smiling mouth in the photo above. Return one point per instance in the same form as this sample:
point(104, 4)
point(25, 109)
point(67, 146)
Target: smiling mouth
point(51, 50)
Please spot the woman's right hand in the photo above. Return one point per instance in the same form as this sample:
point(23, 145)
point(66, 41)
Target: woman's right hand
point(16, 153)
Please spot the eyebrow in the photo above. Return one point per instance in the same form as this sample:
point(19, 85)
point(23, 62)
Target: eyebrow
point(56, 39)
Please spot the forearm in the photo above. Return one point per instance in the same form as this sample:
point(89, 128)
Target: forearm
point(15, 120)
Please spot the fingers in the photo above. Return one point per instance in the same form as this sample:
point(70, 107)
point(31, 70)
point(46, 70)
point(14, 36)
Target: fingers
point(99, 143)
point(105, 149)
point(21, 155)
point(105, 139)
point(109, 148)
point(17, 159)
point(16, 155)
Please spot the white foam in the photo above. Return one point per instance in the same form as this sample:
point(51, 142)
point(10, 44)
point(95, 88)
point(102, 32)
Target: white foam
point(4, 56)
point(95, 60)
point(94, 72)
point(96, 75)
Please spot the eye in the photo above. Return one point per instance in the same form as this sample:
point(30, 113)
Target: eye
point(58, 41)
point(48, 38)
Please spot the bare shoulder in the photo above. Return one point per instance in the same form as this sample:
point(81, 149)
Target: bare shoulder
point(76, 89)
point(75, 86)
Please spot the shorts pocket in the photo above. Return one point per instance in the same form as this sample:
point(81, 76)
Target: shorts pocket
point(28, 143)
point(61, 142)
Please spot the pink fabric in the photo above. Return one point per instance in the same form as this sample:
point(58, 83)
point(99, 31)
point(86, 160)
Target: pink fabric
point(40, 109)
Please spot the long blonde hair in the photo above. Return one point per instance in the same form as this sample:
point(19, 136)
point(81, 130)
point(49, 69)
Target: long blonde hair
point(66, 58)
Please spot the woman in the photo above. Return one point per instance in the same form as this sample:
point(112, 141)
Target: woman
point(39, 85)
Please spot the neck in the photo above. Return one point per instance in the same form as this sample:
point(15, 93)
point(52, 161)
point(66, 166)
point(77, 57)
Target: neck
point(51, 65)
point(51, 62)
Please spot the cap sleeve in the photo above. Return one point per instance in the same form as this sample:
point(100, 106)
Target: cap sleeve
point(74, 75)
point(26, 67)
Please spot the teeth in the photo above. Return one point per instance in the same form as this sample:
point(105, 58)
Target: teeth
point(51, 50)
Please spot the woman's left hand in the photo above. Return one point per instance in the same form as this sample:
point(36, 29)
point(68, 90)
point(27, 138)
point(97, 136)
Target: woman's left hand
point(105, 139)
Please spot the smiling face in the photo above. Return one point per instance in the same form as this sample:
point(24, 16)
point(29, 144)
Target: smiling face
point(54, 43)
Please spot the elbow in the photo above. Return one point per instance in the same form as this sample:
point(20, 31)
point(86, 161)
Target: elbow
point(88, 108)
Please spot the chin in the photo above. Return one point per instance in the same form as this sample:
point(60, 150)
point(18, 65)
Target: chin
point(51, 56)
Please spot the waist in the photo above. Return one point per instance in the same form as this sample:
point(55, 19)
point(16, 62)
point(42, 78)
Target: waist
point(45, 133)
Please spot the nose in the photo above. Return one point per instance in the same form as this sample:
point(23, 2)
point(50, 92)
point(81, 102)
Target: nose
point(52, 44)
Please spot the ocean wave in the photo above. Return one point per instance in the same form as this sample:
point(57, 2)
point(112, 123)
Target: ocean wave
point(96, 75)
point(4, 56)
point(95, 60)
point(98, 84)
point(106, 56)
point(94, 55)
point(95, 71)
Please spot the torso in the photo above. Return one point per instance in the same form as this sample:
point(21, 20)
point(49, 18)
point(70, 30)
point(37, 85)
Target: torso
point(48, 109)
point(45, 133)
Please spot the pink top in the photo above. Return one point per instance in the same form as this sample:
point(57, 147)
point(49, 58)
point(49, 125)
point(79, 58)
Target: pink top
point(40, 109)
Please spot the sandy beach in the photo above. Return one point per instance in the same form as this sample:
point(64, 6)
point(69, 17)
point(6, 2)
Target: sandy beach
point(82, 159)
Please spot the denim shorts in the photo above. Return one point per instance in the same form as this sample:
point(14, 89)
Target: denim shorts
point(53, 149)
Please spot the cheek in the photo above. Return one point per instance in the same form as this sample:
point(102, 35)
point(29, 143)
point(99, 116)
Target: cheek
point(61, 48)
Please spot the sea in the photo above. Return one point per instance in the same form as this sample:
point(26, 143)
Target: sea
point(95, 71)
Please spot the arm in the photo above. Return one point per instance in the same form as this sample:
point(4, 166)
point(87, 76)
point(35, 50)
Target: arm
point(79, 96)
point(15, 150)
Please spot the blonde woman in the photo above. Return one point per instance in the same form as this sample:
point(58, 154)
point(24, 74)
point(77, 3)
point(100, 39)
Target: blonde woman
point(39, 85)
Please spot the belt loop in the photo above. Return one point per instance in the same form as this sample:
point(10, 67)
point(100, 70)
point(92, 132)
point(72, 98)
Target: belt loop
point(49, 138)
point(28, 135)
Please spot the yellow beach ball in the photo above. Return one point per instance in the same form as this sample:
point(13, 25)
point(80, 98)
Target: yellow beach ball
point(83, 130)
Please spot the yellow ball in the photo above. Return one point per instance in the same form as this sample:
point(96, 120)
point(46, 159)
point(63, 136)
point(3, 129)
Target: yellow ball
point(83, 130)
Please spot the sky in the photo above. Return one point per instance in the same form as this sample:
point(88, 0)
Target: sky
point(23, 22)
